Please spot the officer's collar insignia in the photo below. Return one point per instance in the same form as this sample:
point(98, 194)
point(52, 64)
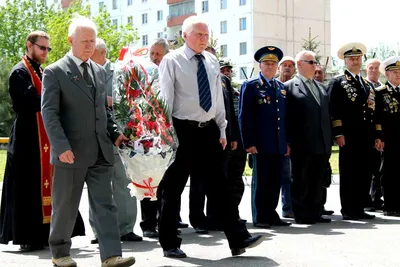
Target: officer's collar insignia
point(283, 92)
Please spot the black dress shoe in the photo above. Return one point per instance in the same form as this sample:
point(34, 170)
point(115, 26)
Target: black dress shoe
point(280, 223)
point(242, 220)
point(30, 248)
point(370, 209)
point(178, 231)
point(182, 225)
point(150, 233)
point(201, 230)
point(366, 216)
point(94, 241)
point(305, 221)
point(327, 212)
point(174, 253)
point(262, 225)
point(131, 237)
point(352, 217)
point(392, 213)
point(322, 220)
point(250, 242)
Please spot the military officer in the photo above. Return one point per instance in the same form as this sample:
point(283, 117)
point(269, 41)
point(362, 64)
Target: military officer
point(388, 117)
point(352, 107)
point(262, 126)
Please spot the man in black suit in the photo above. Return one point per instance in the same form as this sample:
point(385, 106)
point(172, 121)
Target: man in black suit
point(310, 139)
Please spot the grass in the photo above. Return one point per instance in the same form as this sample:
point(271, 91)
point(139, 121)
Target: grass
point(334, 162)
point(3, 157)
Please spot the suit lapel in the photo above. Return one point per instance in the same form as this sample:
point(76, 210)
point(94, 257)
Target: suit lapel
point(305, 90)
point(76, 77)
point(97, 79)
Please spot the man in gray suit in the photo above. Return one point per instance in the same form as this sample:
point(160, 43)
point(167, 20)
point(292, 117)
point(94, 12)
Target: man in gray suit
point(310, 139)
point(127, 207)
point(80, 129)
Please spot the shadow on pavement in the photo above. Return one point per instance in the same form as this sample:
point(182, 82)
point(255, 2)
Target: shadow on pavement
point(229, 262)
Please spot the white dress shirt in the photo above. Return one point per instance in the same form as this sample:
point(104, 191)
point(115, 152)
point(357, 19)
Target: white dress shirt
point(179, 88)
point(78, 63)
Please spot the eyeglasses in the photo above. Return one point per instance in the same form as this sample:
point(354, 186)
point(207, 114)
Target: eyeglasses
point(43, 48)
point(311, 62)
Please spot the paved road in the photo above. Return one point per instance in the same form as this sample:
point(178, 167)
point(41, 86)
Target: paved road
point(338, 244)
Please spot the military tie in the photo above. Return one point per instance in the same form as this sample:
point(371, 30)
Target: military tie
point(360, 83)
point(272, 84)
point(314, 90)
point(204, 85)
point(88, 79)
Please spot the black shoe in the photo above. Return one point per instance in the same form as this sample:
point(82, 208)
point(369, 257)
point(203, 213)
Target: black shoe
point(201, 230)
point(366, 216)
point(351, 217)
point(30, 248)
point(150, 233)
point(94, 241)
point(327, 212)
point(305, 221)
point(174, 253)
point(322, 220)
point(250, 242)
point(370, 209)
point(131, 237)
point(262, 225)
point(280, 223)
point(242, 220)
point(392, 213)
point(178, 231)
point(182, 225)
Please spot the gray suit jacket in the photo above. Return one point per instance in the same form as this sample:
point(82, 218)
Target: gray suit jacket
point(73, 119)
point(308, 123)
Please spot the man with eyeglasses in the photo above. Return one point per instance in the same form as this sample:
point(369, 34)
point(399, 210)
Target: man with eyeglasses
point(310, 139)
point(352, 106)
point(262, 122)
point(26, 197)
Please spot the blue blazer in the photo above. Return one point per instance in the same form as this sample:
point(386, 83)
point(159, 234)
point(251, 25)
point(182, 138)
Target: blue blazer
point(262, 115)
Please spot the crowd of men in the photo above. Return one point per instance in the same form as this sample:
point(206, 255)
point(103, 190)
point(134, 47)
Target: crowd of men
point(287, 123)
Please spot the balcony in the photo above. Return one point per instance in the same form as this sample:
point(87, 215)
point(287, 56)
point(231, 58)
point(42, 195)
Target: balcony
point(177, 20)
point(171, 2)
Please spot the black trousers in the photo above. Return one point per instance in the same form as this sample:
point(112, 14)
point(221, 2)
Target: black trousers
point(355, 167)
point(307, 179)
point(375, 190)
point(199, 156)
point(391, 178)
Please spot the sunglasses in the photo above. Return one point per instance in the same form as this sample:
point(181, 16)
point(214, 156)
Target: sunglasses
point(311, 62)
point(43, 48)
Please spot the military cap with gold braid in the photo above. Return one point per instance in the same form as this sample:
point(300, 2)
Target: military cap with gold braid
point(352, 50)
point(391, 63)
point(271, 53)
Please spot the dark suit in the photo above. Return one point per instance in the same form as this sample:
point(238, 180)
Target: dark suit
point(310, 138)
point(77, 119)
point(352, 107)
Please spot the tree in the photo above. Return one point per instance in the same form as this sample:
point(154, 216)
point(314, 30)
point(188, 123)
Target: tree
point(311, 44)
point(6, 114)
point(381, 51)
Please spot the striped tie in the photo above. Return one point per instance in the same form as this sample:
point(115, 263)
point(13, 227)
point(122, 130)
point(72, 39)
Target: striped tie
point(204, 85)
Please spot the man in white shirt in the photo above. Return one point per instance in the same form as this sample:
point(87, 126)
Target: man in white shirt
point(190, 83)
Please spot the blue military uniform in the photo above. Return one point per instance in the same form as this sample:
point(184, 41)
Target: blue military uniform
point(262, 111)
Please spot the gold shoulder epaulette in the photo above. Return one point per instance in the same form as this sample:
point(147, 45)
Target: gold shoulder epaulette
point(380, 88)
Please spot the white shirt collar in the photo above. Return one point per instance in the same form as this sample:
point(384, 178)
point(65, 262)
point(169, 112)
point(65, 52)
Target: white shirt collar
point(79, 61)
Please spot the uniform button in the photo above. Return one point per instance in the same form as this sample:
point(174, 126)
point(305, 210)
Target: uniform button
point(365, 119)
point(278, 128)
point(364, 105)
point(279, 119)
point(277, 100)
point(364, 111)
point(277, 109)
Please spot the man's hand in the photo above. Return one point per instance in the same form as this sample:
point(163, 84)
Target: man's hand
point(120, 139)
point(222, 141)
point(67, 157)
point(379, 145)
point(340, 141)
point(234, 145)
point(287, 150)
point(109, 101)
point(252, 150)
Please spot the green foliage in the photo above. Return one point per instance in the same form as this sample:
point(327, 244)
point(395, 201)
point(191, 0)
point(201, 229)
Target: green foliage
point(6, 114)
point(381, 51)
point(311, 44)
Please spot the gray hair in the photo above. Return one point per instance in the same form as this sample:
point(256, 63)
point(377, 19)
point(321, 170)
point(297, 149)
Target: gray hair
point(162, 42)
point(79, 21)
point(371, 61)
point(303, 53)
point(188, 24)
point(100, 44)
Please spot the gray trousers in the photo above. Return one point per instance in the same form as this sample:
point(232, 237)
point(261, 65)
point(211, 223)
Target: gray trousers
point(66, 193)
point(127, 207)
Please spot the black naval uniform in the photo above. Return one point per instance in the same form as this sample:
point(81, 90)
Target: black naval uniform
point(352, 108)
point(388, 116)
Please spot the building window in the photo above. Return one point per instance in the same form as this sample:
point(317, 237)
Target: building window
point(144, 1)
point(130, 20)
point(224, 50)
point(243, 48)
point(55, 1)
point(144, 18)
point(145, 40)
point(224, 5)
point(115, 4)
point(160, 35)
point(129, 2)
point(242, 24)
point(243, 73)
point(159, 15)
point(204, 6)
point(224, 27)
point(101, 6)
point(242, 2)
point(115, 22)
point(184, 8)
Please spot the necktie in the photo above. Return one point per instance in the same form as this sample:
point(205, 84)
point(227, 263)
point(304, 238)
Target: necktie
point(271, 83)
point(313, 89)
point(204, 85)
point(87, 78)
